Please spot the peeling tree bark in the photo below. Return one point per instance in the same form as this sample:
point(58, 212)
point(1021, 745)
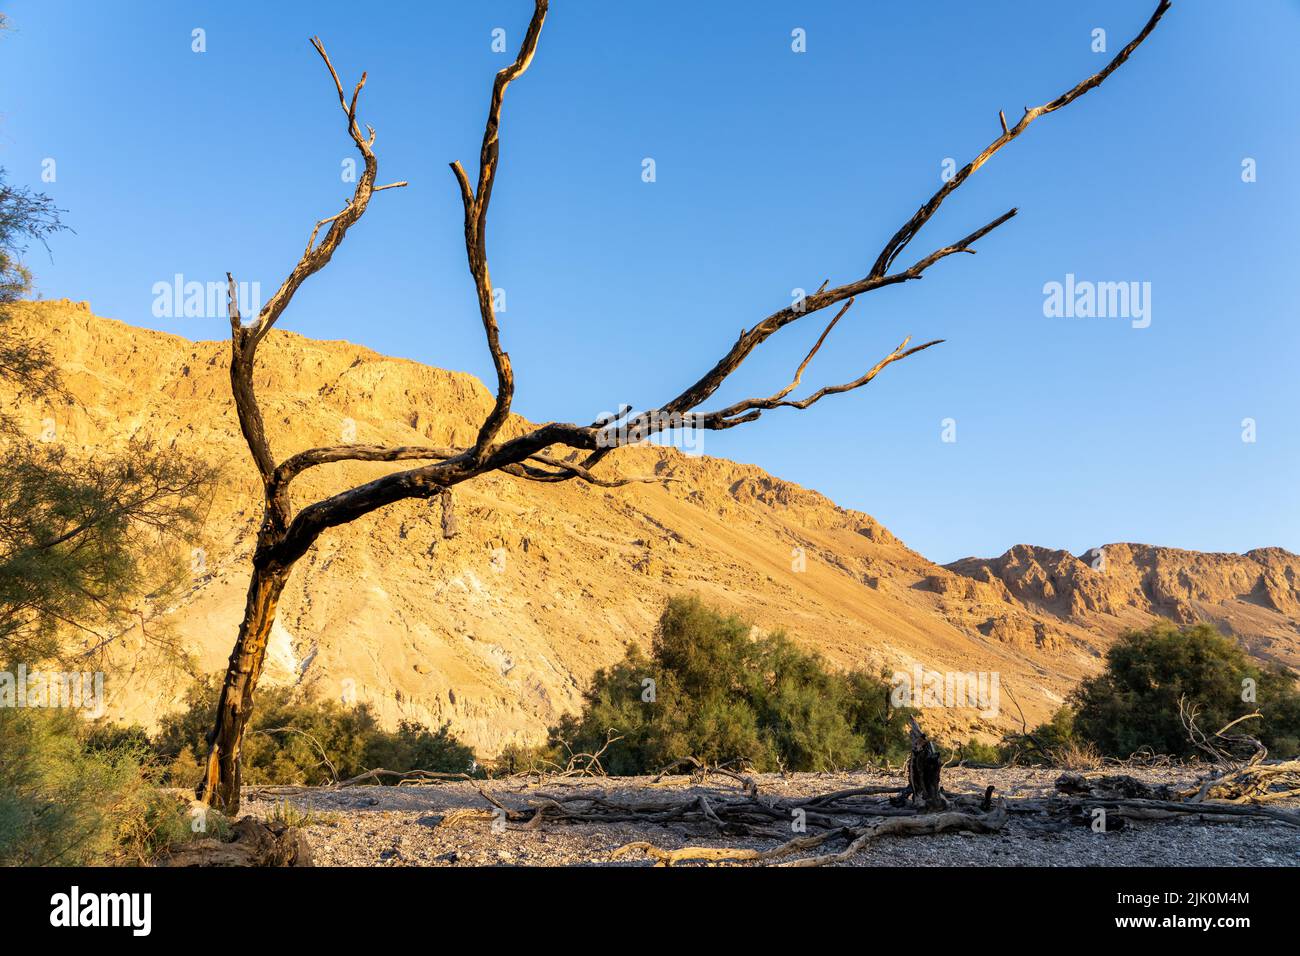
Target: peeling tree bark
point(235, 706)
point(449, 529)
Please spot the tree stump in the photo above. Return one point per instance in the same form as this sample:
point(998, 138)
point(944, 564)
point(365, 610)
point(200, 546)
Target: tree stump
point(923, 768)
point(251, 843)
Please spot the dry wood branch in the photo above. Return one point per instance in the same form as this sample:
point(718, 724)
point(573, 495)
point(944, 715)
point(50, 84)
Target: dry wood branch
point(1188, 714)
point(923, 769)
point(245, 339)
point(290, 468)
point(251, 843)
point(745, 813)
point(1024, 727)
point(1232, 778)
point(878, 277)
point(404, 778)
point(909, 229)
point(859, 836)
point(700, 770)
point(1256, 782)
point(860, 816)
point(911, 826)
point(1243, 792)
point(476, 210)
point(316, 256)
point(463, 815)
point(750, 409)
point(512, 456)
point(587, 764)
point(568, 470)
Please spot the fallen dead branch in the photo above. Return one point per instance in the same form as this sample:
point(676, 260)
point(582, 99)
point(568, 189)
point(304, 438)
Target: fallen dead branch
point(860, 837)
point(403, 778)
point(861, 815)
point(702, 770)
point(1235, 779)
point(580, 764)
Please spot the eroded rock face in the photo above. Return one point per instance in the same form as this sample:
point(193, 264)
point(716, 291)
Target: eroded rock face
point(1184, 586)
point(497, 627)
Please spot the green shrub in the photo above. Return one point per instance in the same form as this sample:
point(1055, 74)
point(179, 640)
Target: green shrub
point(69, 798)
point(520, 758)
point(414, 747)
point(722, 696)
point(975, 752)
point(299, 739)
point(1133, 703)
point(294, 816)
point(1056, 738)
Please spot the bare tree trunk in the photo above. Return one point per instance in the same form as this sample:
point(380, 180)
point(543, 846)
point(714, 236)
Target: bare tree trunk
point(220, 786)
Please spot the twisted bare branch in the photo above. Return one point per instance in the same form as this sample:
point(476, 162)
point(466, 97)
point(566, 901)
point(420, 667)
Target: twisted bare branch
point(907, 232)
point(476, 209)
point(528, 456)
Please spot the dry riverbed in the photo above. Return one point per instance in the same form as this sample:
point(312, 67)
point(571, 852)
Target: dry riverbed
point(418, 826)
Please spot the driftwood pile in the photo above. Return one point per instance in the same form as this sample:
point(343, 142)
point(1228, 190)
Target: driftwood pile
point(856, 817)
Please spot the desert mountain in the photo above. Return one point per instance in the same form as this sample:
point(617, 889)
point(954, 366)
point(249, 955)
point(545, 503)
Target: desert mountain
point(498, 627)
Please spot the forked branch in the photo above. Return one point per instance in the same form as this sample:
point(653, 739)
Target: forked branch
point(476, 209)
point(245, 339)
point(529, 455)
point(316, 256)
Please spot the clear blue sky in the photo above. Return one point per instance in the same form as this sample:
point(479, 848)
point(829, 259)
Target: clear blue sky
point(775, 170)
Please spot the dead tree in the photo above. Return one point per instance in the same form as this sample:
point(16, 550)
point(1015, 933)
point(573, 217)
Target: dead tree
point(923, 766)
point(553, 452)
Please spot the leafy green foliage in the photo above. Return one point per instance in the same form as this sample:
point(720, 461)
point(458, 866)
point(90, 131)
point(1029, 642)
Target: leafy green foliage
point(83, 539)
point(415, 747)
point(975, 752)
point(66, 800)
point(1051, 742)
point(297, 739)
point(27, 364)
point(1132, 706)
point(1133, 703)
point(25, 217)
point(79, 537)
point(721, 695)
point(79, 546)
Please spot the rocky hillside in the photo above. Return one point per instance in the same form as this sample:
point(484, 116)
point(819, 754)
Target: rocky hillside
point(1255, 595)
point(498, 628)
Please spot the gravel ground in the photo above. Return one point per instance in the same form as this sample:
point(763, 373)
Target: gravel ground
point(403, 826)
